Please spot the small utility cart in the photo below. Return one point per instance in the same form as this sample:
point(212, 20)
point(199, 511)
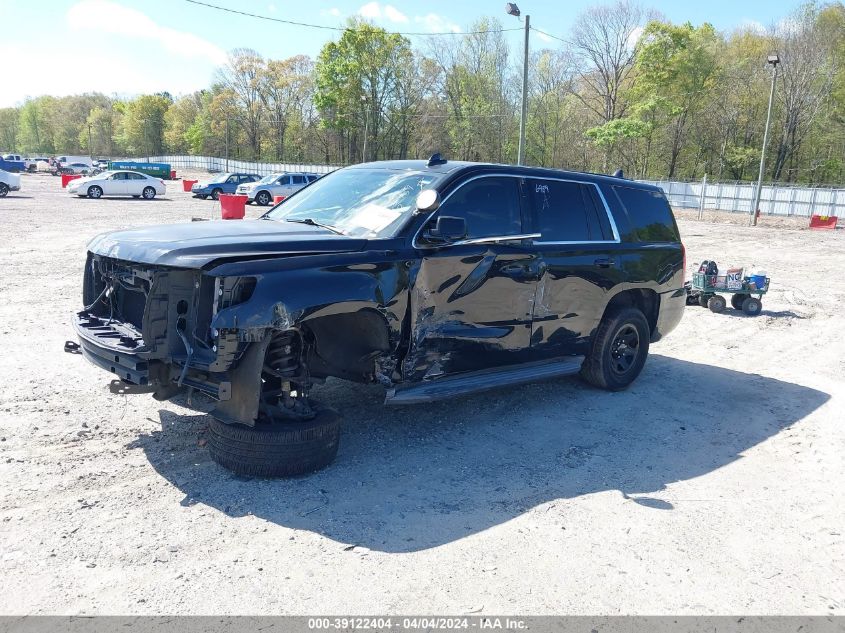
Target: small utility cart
point(706, 290)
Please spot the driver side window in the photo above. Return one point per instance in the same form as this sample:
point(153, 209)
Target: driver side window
point(232, 179)
point(490, 207)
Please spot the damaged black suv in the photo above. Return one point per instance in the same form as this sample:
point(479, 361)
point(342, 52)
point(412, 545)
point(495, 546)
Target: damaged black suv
point(434, 279)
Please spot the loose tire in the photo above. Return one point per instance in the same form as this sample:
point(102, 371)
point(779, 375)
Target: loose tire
point(276, 449)
point(619, 350)
point(717, 303)
point(95, 192)
point(4, 189)
point(737, 300)
point(752, 306)
point(148, 193)
point(216, 193)
point(263, 198)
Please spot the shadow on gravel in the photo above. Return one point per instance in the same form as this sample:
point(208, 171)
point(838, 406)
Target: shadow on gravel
point(412, 478)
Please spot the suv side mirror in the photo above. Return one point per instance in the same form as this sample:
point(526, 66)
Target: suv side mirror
point(448, 229)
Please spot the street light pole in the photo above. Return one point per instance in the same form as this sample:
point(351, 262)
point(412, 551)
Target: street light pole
point(774, 60)
point(512, 9)
point(90, 149)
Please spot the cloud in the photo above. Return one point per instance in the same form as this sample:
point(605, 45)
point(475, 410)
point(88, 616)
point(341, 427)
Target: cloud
point(333, 12)
point(389, 13)
point(634, 36)
point(543, 37)
point(370, 10)
point(394, 15)
point(271, 8)
point(436, 23)
point(108, 17)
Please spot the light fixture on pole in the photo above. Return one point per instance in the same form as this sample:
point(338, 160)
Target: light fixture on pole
point(774, 60)
point(512, 9)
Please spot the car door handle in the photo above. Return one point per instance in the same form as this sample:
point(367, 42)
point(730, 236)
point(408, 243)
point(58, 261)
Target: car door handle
point(604, 262)
point(531, 270)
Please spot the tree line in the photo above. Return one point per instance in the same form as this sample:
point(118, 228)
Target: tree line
point(624, 89)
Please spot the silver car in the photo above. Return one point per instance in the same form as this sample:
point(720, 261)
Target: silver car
point(283, 184)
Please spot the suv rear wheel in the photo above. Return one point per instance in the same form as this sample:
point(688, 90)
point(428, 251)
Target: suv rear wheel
point(263, 198)
point(619, 350)
point(276, 448)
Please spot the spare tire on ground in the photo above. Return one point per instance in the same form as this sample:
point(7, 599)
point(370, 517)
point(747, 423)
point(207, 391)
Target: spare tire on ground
point(276, 448)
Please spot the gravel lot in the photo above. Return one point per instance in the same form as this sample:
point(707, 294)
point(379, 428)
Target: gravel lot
point(714, 485)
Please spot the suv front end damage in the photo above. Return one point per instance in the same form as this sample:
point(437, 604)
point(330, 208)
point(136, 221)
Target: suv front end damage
point(151, 325)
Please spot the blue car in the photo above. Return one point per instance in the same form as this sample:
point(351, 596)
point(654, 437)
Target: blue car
point(222, 183)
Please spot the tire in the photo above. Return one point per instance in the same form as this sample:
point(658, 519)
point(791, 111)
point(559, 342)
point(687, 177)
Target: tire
point(276, 449)
point(703, 299)
point(610, 365)
point(95, 192)
point(752, 306)
point(737, 300)
point(4, 189)
point(716, 303)
point(263, 198)
point(148, 193)
point(216, 194)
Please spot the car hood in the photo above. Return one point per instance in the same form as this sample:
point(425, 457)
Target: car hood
point(197, 244)
point(81, 181)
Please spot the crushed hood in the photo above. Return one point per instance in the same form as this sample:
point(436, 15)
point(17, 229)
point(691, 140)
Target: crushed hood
point(197, 244)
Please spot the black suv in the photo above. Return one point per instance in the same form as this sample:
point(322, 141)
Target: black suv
point(434, 279)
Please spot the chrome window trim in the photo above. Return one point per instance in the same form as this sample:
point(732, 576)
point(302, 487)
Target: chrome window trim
point(494, 239)
point(616, 239)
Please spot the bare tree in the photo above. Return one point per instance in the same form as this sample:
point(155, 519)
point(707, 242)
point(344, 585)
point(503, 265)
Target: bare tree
point(604, 41)
point(808, 69)
point(242, 76)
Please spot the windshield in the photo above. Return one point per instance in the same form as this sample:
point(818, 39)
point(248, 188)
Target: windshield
point(220, 178)
point(357, 202)
point(268, 179)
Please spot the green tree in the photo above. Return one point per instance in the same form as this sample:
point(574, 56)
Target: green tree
point(357, 80)
point(677, 67)
point(142, 128)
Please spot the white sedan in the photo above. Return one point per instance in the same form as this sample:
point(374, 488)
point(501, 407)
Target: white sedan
point(117, 183)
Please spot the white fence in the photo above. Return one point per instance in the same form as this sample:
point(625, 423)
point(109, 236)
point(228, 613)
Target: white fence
point(738, 198)
point(212, 163)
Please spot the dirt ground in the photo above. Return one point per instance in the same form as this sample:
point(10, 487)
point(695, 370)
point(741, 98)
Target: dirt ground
point(713, 486)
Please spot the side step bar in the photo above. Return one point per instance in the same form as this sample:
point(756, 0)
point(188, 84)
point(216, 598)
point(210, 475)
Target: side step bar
point(474, 382)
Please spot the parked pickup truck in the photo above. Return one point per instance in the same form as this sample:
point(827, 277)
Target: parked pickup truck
point(12, 163)
point(434, 279)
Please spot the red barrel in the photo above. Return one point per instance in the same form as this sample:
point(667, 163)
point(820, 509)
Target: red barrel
point(233, 207)
point(66, 178)
point(187, 184)
point(278, 199)
point(172, 174)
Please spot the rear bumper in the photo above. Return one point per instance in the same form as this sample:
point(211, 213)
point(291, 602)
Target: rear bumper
point(672, 306)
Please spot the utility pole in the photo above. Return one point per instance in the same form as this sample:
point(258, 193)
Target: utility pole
point(227, 145)
point(366, 127)
point(774, 60)
point(512, 9)
point(90, 148)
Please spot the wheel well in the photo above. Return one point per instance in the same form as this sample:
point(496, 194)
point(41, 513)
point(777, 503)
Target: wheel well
point(346, 345)
point(644, 299)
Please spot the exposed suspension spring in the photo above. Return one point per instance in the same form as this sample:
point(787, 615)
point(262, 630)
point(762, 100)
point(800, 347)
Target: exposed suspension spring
point(284, 354)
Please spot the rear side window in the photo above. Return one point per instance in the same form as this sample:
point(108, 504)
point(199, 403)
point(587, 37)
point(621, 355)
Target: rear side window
point(298, 180)
point(649, 215)
point(490, 207)
point(566, 212)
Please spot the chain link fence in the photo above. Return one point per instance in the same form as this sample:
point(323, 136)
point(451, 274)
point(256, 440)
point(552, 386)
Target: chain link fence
point(775, 199)
point(214, 164)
